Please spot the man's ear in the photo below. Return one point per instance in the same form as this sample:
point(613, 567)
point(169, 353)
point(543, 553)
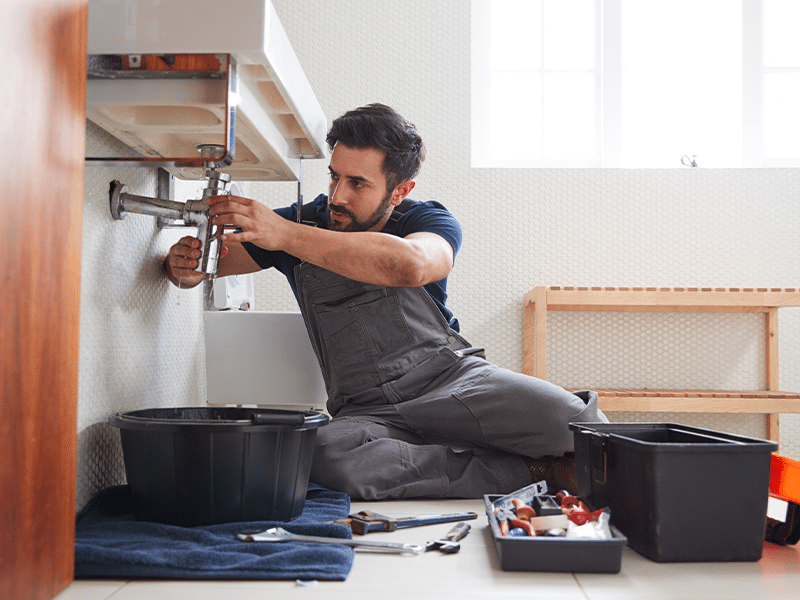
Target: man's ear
point(402, 190)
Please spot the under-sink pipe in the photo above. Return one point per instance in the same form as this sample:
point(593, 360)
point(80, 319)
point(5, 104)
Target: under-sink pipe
point(207, 232)
point(123, 203)
point(192, 213)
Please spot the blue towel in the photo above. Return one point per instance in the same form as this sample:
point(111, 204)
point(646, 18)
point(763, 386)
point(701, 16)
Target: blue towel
point(110, 542)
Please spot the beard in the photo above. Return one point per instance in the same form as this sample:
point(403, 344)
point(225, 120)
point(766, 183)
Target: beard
point(356, 225)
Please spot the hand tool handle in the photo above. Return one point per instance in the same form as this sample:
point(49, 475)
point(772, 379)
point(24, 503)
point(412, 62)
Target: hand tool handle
point(458, 532)
point(431, 519)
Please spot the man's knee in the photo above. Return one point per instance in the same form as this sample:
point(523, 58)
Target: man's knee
point(334, 448)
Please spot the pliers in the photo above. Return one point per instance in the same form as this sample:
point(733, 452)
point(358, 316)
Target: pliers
point(449, 543)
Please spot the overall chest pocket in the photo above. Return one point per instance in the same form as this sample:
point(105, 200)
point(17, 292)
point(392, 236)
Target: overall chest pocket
point(362, 326)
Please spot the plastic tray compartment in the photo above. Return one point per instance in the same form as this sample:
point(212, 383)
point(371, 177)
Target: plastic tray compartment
point(679, 493)
point(201, 466)
point(555, 554)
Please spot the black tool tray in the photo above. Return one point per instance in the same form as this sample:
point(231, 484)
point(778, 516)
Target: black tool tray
point(555, 554)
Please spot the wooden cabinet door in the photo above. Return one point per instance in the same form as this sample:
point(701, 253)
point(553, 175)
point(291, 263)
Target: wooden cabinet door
point(42, 131)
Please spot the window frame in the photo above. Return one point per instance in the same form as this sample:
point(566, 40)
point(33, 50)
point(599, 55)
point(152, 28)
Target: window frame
point(481, 91)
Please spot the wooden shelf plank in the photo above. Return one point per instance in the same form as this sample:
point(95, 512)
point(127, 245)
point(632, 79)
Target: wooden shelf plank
point(699, 401)
point(668, 299)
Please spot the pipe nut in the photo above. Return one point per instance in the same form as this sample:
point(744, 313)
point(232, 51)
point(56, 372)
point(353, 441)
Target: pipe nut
point(117, 210)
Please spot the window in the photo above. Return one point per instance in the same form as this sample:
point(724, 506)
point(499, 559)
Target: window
point(635, 83)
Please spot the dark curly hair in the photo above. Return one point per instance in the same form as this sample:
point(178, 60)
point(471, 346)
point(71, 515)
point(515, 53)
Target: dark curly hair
point(381, 127)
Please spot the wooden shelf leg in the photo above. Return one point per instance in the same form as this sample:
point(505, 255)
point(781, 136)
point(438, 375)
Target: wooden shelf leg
point(773, 428)
point(773, 384)
point(540, 332)
point(528, 338)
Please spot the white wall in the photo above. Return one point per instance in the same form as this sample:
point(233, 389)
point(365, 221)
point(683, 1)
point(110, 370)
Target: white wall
point(141, 339)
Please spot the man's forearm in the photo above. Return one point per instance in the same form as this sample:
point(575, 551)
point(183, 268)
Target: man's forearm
point(373, 257)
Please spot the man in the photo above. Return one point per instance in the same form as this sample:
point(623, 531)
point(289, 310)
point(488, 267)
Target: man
point(417, 411)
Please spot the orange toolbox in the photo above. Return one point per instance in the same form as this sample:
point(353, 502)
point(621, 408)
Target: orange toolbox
point(784, 485)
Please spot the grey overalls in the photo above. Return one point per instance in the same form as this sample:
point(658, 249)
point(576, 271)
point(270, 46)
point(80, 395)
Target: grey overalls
point(418, 412)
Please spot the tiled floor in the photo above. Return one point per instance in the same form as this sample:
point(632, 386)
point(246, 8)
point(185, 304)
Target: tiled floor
point(475, 573)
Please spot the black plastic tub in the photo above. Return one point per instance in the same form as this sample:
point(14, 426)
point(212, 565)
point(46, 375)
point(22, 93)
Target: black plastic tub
point(202, 466)
point(678, 493)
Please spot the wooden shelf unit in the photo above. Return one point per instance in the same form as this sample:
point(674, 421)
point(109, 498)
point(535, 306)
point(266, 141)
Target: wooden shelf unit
point(769, 402)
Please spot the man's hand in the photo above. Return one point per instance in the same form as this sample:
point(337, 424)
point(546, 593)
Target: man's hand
point(258, 223)
point(181, 261)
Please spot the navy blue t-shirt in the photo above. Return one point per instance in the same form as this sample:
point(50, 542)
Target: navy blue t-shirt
point(420, 216)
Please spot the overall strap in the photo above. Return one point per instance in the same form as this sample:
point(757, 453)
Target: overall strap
point(399, 211)
point(307, 213)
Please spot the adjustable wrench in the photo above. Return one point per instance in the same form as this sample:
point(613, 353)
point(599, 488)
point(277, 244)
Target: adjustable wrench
point(278, 534)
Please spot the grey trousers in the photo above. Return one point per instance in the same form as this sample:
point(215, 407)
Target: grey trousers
point(463, 437)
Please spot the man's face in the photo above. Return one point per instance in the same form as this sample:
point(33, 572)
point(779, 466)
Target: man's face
point(357, 199)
